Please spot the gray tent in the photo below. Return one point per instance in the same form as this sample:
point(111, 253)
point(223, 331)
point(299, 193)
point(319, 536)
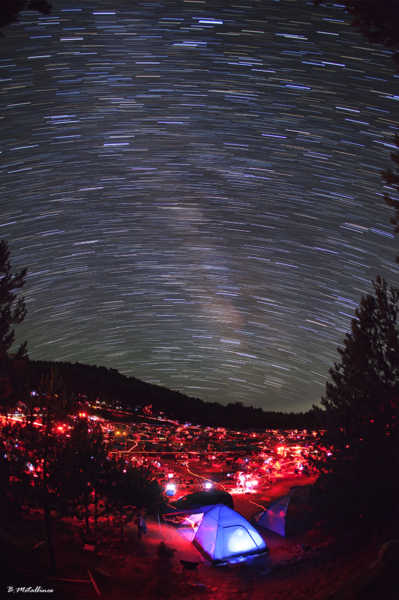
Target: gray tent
point(284, 515)
point(198, 499)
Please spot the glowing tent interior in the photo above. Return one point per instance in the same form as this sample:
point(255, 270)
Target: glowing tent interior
point(221, 535)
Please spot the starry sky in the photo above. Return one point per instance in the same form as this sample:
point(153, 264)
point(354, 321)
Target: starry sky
point(195, 189)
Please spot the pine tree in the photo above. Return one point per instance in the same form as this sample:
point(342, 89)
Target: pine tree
point(15, 478)
point(10, 10)
point(131, 487)
point(116, 487)
point(360, 448)
point(376, 20)
point(12, 312)
point(46, 449)
point(391, 178)
point(85, 464)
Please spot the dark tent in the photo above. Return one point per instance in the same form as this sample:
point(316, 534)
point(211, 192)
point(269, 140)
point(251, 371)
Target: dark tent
point(284, 516)
point(198, 499)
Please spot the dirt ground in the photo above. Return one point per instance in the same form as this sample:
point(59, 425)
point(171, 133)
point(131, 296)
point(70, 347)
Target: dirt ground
point(309, 565)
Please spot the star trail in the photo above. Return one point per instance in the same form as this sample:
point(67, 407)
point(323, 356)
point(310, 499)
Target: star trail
point(195, 189)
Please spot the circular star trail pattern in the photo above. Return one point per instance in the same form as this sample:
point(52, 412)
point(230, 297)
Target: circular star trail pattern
point(195, 189)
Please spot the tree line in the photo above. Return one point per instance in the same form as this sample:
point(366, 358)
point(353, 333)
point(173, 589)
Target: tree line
point(108, 385)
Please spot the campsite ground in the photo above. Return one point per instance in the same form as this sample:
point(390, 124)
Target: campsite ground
point(305, 566)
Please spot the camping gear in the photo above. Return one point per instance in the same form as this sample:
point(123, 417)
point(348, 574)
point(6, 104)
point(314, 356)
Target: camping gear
point(143, 526)
point(164, 552)
point(189, 566)
point(284, 515)
point(221, 535)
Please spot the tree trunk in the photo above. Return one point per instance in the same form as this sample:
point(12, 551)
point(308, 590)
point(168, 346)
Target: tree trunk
point(95, 512)
point(47, 518)
point(31, 416)
point(139, 524)
point(121, 522)
point(87, 522)
point(47, 512)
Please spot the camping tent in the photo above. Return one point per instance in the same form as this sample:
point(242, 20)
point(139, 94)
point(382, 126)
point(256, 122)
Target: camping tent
point(284, 515)
point(221, 535)
point(198, 499)
point(301, 491)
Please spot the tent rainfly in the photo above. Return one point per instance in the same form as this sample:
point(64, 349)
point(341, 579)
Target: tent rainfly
point(221, 535)
point(284, 514)
point(198, 499)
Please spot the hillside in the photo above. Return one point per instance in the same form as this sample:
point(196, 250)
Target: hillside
point(109, 386)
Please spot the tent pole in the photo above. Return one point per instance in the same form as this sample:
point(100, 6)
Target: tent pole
point(167, 529)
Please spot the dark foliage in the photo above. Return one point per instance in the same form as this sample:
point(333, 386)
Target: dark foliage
point(12, 311)
point(122, 482)
point(14, 471)
point(131, 487)
point(46, 450)
point(360, 448)
point(10, 10)
point(92, 383)
point(391, 178)
point(376, 20)
point(85, 469)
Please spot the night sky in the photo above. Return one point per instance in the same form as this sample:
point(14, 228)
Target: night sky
point(195, 189)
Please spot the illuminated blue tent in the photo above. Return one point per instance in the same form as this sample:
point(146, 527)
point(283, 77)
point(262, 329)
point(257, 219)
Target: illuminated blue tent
point(221, 535)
